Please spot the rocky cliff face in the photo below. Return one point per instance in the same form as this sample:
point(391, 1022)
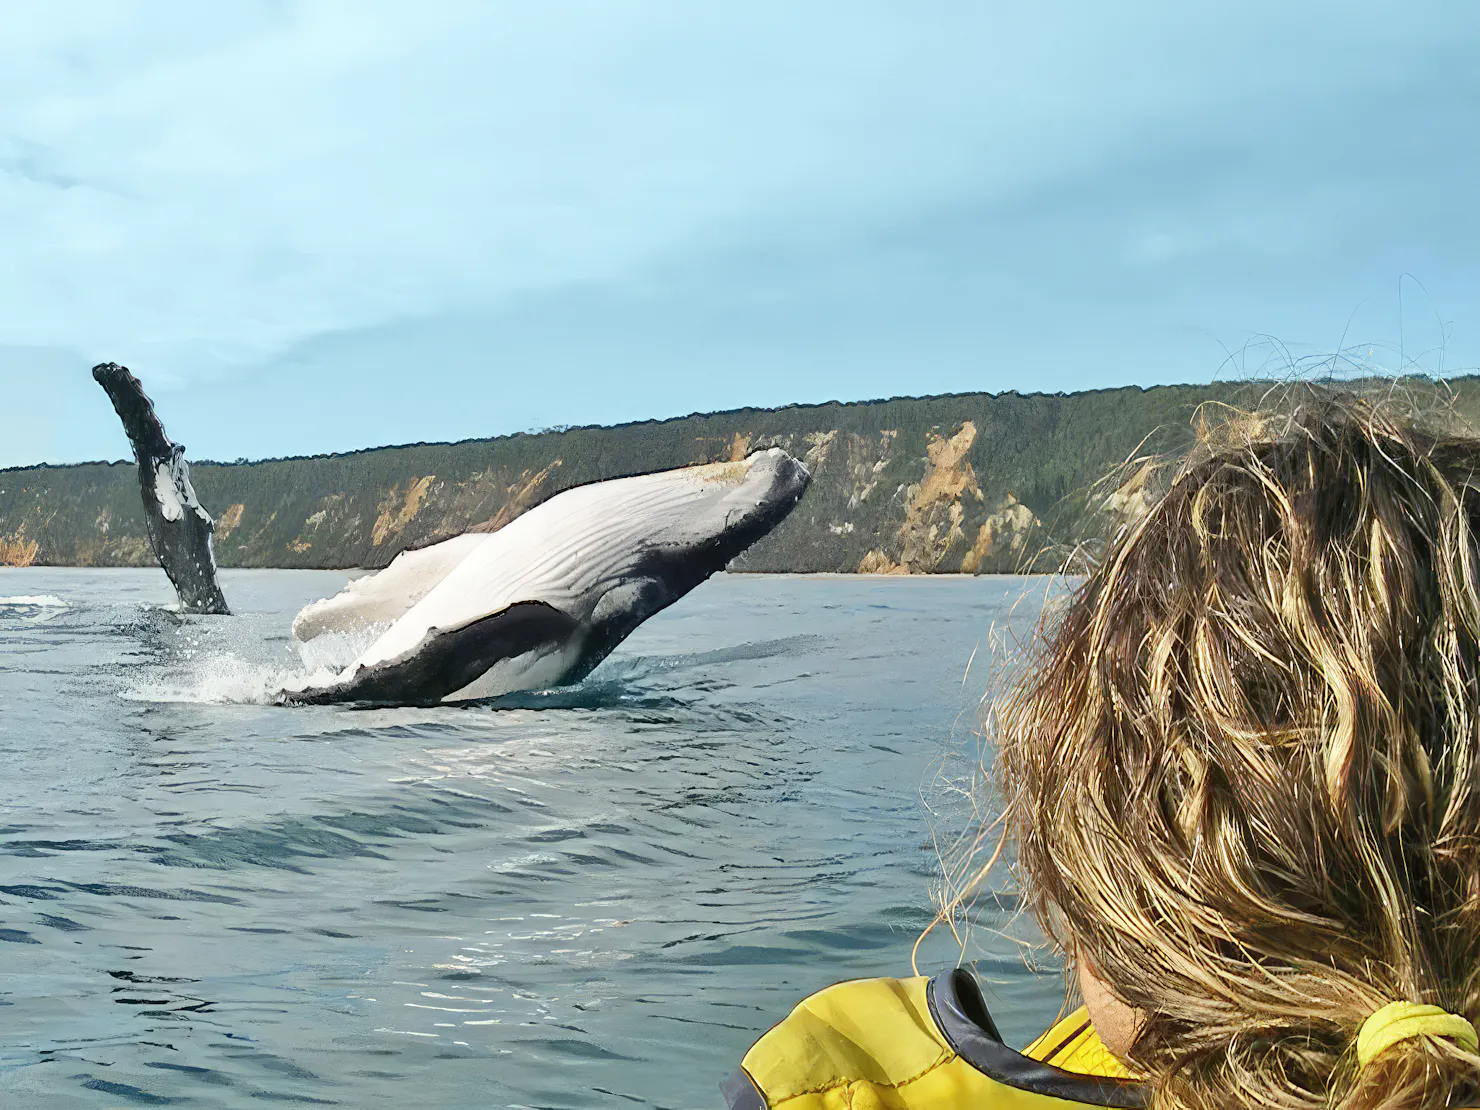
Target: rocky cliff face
point(972, 483)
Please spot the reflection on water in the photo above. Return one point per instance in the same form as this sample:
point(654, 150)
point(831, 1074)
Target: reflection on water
point(590, 897)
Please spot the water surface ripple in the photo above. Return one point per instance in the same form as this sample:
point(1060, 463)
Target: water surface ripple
point(597, 897)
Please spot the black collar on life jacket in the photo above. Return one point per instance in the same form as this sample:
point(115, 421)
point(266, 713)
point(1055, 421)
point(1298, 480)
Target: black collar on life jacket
point(960, 1012)
point(960, 1015)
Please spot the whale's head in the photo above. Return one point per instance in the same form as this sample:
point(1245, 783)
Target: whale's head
point(709, 515)
point(730, 505)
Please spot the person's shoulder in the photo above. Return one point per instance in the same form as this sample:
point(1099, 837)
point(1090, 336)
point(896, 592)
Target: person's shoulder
point(870, 1032)
point(907, 1044)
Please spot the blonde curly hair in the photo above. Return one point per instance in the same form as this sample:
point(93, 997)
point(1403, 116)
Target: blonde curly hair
point(1243, 776)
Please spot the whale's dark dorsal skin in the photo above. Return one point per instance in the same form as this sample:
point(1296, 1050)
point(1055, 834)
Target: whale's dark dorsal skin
point(179, 529)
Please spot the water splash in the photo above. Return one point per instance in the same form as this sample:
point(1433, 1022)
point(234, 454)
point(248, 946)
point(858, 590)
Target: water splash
point(220, 679)
point(245, 660)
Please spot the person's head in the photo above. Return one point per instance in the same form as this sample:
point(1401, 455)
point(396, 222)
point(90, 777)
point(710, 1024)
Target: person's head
point(1244, 777)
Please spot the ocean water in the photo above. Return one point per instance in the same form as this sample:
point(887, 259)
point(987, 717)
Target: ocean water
point(593, 898)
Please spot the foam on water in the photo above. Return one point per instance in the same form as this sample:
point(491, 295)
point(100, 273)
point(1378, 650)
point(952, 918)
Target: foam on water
point(222, 679)
point(44, 601)
point(240, 660)
point(32, 607)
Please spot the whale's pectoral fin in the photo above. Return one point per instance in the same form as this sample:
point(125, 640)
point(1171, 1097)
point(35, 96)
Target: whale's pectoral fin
point(179, 529)
point(446, 661)
point(385, 596)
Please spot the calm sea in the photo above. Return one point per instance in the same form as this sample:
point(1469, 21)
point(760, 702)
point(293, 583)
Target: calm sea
point(593, 898)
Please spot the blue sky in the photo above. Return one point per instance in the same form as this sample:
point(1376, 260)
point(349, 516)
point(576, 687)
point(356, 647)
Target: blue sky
point(323, 226)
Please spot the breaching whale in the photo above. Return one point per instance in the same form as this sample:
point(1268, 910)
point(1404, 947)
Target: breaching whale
point(179, 528)
point(536, 604)
point(543, 600)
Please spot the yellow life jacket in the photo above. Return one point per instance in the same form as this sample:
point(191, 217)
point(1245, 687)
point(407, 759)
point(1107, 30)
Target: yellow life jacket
point(922, 1044)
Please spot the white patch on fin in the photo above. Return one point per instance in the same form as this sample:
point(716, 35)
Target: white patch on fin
point(165, 493)
point(173, 491)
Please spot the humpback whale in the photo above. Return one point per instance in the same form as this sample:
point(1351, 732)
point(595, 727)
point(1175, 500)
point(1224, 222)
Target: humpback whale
point(543, 600)
point(536, 604)
point(179, 528)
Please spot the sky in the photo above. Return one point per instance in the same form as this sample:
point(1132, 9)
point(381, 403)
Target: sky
point(323, 226)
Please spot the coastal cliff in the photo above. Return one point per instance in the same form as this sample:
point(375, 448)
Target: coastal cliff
point(973, 483)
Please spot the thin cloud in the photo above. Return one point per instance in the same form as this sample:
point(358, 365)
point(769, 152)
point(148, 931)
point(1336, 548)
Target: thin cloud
point(1005, 197)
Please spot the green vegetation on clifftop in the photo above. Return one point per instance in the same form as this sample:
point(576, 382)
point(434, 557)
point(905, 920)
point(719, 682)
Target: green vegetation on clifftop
point(965, 482)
